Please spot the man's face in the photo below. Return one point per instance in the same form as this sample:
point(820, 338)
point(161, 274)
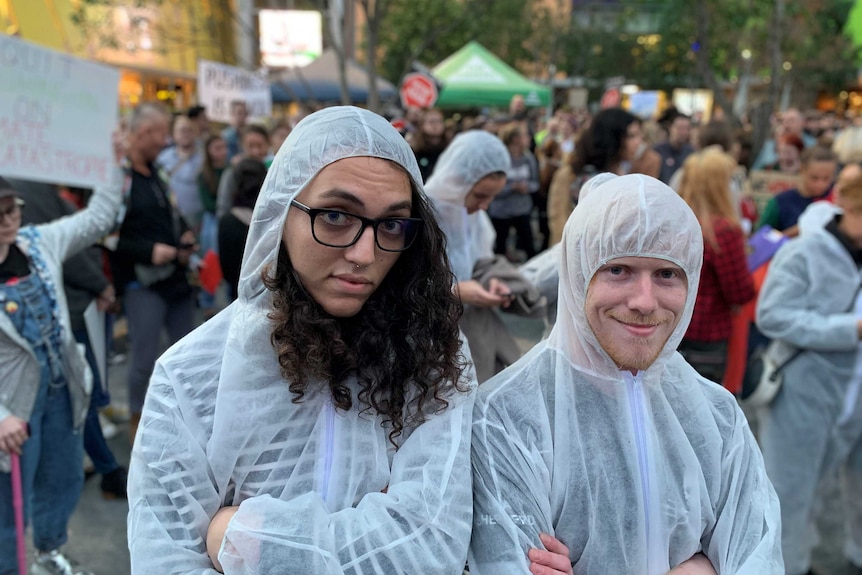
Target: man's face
point(791, 122)
point(517, 107)
point(203, 124)
point(151, 137)
point(184, 132)
point(633, 304)
point(10, 220)
point(239, 114)
point(483, 192)
point(369, 187)
point(680, 131)
point(255, 146)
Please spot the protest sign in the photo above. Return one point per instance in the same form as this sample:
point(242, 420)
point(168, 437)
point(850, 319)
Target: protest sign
point(763, 185)
point(57, 113)
point(221, 84)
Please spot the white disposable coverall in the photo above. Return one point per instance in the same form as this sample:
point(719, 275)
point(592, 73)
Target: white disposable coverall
point(469, 237)
point(815, 421)
point(220, 428)
point(634, 473)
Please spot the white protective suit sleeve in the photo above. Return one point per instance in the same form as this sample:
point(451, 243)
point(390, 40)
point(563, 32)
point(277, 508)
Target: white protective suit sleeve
point(785, 307)
point(172, 493)
point(634, 473)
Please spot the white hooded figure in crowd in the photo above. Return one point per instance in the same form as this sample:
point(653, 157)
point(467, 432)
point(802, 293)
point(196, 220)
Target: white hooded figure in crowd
point(321, 422)
point(467, 177)
point(811, 307)
point(602, 451)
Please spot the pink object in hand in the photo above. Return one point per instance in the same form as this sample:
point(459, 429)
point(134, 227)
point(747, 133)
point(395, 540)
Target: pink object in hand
point(18, 506)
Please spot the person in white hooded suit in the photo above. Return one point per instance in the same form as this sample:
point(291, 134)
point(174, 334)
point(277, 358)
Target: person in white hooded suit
point(321, 422)
point(602, 451)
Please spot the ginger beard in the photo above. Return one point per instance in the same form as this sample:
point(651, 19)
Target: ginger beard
point(633, 305)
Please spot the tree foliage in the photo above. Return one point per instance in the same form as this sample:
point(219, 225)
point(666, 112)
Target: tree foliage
point(431, 31)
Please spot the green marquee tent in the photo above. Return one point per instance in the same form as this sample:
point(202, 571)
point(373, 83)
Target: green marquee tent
point(474, 77)
point(853, 27)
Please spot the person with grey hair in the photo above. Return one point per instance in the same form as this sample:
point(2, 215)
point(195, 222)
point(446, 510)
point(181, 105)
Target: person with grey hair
point(151, 255)
point(601, 450)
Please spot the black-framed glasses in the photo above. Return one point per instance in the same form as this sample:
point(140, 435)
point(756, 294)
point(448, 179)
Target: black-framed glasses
point(337, 229)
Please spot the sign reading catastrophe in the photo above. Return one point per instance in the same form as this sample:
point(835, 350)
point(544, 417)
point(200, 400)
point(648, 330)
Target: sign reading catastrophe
point(220, 84)
point(57, 114)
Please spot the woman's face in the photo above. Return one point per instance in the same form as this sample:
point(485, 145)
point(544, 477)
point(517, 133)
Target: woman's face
point(10, 220)
point(633, 141)
point(342, 279)
point(483, 192)
point(432, 124)
point(218, 152)
point(788, 158)
point(255, 146)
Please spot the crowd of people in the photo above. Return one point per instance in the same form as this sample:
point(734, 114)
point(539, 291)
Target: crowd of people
point(353, 401)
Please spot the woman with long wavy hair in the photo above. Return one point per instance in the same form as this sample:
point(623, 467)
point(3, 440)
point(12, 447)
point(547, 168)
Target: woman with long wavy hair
point(321, 422)
point(609, 144)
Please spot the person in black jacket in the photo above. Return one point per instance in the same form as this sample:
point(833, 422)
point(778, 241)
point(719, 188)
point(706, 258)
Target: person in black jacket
point(150, 263)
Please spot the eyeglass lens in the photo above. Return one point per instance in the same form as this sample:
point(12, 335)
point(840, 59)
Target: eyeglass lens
point(340, 229)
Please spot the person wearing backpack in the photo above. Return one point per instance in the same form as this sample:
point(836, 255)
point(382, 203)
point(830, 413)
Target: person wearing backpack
point(811, 306)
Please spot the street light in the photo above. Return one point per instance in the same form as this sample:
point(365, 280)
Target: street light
point(746, 54)
point(787, 66)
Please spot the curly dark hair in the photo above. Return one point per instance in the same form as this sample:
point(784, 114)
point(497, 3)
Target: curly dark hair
point(601, 144)
point(404, 344)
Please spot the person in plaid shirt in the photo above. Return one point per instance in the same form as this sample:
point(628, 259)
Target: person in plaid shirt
point(725, 281)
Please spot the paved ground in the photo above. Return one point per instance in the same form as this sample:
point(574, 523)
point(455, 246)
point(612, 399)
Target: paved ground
point(98, 530)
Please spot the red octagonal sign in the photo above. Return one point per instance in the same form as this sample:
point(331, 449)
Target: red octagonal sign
point(418, 91)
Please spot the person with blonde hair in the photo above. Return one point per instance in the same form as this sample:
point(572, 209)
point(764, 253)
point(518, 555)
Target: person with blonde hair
point(725, 281)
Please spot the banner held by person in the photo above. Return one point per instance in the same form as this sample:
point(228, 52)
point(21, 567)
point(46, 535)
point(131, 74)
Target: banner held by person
point(220, 84)
point(57, 113)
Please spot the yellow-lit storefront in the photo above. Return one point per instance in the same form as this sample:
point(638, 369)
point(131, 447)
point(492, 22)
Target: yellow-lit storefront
point(156, 48)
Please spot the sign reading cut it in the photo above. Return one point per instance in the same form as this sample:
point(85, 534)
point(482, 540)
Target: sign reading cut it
point(57, 113)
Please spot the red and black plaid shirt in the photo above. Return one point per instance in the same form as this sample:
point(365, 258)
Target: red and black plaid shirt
point(724, 282)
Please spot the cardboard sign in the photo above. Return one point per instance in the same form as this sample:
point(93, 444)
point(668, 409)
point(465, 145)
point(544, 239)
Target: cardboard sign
point(220, 84)
point(57, 114)
point(763, 185)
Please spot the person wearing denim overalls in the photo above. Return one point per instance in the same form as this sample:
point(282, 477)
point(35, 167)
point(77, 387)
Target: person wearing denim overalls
point(44, 379)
